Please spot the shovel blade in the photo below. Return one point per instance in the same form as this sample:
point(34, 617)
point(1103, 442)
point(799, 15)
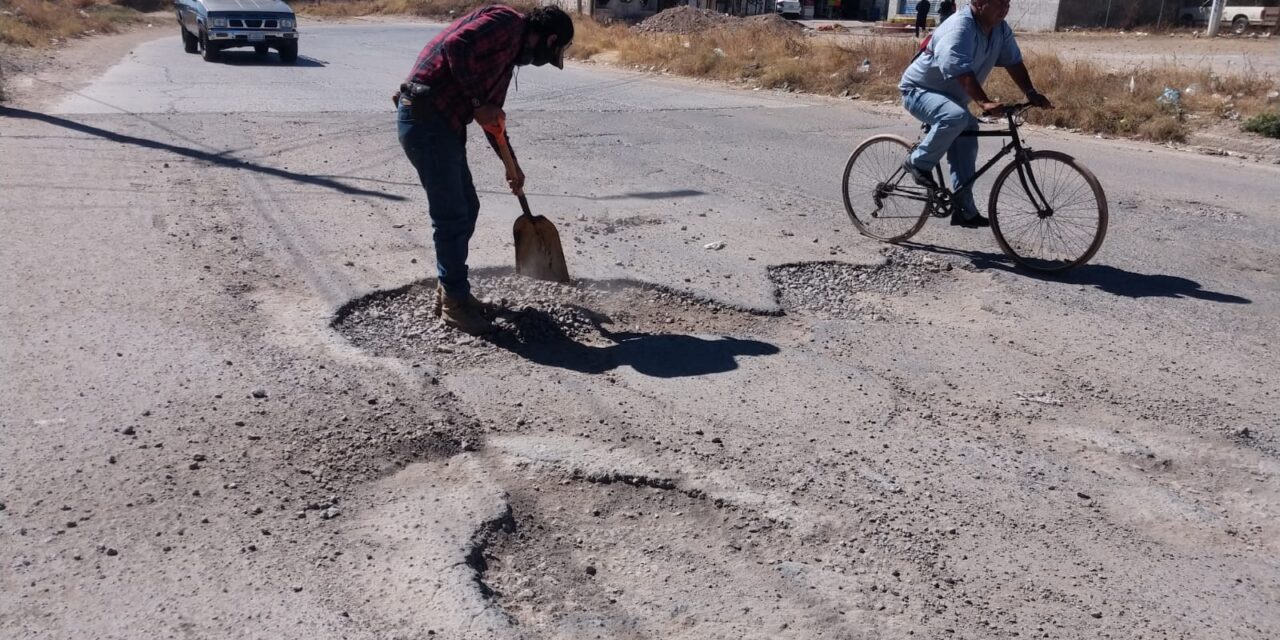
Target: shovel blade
point(538, 251)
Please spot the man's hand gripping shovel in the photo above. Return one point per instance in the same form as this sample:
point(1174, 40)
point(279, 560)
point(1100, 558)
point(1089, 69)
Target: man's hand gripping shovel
point(538, 251)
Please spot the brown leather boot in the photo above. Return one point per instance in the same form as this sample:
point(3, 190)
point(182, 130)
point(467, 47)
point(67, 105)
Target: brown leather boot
point(471, 301)
point(466, 315)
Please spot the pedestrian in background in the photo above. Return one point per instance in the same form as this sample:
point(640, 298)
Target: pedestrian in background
point(922, 16)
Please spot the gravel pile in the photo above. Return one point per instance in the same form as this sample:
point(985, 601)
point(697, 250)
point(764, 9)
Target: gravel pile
point(836, 288)
point(685, 20)
point(527, 313)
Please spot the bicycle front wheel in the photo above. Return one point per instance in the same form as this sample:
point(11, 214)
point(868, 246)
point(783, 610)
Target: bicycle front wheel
point(881, 200)
point(1048, 212)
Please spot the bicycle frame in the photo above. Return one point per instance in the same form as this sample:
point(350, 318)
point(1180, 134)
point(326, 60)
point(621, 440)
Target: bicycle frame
point(942, 199)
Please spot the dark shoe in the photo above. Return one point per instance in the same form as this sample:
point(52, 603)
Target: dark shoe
point(977, 221)
point(922, 178)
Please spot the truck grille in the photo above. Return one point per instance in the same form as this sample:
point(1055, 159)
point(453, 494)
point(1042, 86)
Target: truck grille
point(246, 22)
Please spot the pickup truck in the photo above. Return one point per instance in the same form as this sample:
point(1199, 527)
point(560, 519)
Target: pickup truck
point(209, 26)
point(1239, 14)
point(789, 8)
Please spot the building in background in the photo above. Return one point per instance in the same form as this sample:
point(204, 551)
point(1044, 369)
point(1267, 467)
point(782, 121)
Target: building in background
point(1051, 15)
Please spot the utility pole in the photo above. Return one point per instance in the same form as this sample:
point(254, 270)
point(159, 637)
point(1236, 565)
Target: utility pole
point(1215, 17)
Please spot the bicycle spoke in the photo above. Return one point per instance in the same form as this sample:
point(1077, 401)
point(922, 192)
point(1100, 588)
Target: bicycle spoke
point(879, 195)
point(1065, 237)
point(1074, 239)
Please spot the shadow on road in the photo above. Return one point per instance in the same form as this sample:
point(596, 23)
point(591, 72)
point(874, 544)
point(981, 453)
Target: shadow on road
point(1110, 279)
point(653, 195)
point(196, 154)
point(659, 355)
point(636, 195)
point(253, 59)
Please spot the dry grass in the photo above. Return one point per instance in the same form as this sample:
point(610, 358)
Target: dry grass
point(1088, 97)
point(1126, 104)
point(761, 55)
point(39, 23)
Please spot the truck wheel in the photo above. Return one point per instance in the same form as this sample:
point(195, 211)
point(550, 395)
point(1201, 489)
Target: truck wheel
point(190, 43)
point(1239, 25)
point(208, 49)
point(289, 52)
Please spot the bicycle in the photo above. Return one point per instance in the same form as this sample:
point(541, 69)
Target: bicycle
point(1053, 199)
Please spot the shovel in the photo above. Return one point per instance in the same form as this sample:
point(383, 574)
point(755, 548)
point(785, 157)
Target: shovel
point(538, 251)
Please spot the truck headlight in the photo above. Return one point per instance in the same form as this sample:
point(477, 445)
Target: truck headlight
point(286, 23)
point(220, 23)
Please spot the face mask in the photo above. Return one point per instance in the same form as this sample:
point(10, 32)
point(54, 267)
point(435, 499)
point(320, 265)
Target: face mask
point(525, 57)
point(539, 54)
point(543, 54)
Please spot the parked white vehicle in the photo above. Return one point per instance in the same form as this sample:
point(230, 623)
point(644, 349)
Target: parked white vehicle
point(1239, 14)
point(789, 8)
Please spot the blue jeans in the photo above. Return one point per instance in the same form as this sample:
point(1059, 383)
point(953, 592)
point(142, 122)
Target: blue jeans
point(949, 119)
point(440, 156)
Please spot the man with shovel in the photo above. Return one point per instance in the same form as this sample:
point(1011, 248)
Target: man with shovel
point(460, 76)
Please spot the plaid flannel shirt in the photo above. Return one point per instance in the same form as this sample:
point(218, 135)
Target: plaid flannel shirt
point(471, 62)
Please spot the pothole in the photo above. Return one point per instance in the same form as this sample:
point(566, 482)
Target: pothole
point(630, 560)
point(843, 290)
point(532, 314)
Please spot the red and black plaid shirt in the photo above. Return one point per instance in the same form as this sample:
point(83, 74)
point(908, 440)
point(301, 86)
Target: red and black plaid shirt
point(471, 60)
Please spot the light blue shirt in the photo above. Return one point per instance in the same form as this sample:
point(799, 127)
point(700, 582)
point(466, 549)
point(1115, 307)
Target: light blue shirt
point(958, 47)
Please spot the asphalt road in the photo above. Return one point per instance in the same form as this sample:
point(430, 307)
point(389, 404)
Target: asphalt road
point(187, 447)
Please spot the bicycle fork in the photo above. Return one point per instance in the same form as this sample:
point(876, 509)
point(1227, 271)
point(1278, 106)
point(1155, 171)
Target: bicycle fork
point(1031, 186)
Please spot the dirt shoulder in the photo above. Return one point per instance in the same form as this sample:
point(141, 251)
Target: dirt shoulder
point(1255, 53)
point(36, 78)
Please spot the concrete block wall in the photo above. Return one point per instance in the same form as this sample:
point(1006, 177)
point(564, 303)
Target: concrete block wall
point(1115, 14)
point(1024, 15)
point(1034, 15)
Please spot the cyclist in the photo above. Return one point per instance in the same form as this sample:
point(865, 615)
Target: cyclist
point(938, 86)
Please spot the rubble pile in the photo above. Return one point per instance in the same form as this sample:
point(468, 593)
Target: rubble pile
point(686, 20)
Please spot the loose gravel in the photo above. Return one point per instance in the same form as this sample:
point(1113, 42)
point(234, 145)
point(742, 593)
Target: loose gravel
point(529, 313)
point(842, 290)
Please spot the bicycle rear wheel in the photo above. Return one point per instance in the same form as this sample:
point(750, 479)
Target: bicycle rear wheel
point(1052, 214)
point(880, 198)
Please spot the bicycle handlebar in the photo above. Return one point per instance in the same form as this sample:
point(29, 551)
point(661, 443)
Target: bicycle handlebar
point(1009, 109)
